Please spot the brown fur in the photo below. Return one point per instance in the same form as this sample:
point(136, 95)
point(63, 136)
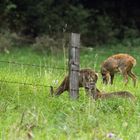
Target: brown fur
point(87, 79)
point(122, 94)
point(97, 94)
point(122, 63)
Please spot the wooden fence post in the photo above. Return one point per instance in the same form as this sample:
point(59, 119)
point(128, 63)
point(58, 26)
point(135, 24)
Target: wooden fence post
point(74, 65)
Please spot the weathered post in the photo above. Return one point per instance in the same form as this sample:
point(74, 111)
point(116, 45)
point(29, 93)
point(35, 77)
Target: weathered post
point(74, 65)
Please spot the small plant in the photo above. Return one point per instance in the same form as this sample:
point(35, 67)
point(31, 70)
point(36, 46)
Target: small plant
point(5, 42)
point(46, 43)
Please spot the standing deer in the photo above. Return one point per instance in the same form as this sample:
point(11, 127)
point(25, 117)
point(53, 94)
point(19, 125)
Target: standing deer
point(122, 63)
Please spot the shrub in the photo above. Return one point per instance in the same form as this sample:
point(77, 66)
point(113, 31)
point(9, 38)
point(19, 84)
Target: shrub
point(5, 42)
point(101, 30)
point(131, 32)
point(46, 43)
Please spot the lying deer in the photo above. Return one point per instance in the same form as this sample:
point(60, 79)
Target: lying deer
point(88, 79)
point(97, 94)
point(122, 63)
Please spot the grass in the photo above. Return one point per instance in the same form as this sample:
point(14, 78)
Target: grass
point(29, 112)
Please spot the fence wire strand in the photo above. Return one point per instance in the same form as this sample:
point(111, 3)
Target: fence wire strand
point(45, 66)
point(32, 65)
point(34, 85)
point(36, 65)
point(22, 83)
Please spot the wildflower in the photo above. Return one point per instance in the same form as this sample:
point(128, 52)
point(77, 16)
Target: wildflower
point(111, 135)
point(55, 82)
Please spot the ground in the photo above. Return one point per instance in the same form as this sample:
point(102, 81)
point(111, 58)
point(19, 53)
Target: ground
point(29, 112)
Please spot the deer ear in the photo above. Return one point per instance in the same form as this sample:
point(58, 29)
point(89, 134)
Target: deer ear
point(96, 75)
point(108, 73)
point(103, 70)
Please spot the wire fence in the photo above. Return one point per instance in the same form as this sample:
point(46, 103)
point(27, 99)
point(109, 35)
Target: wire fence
point(44, 66)
point(23, 83)
point(29, 65)
point(32, 65)
point(33, 85)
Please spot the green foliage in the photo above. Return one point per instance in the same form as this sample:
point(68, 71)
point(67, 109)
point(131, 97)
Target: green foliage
point(76, 19)
point(100, 31)
point(37, 17)
point(97, 24)
point(131, 33)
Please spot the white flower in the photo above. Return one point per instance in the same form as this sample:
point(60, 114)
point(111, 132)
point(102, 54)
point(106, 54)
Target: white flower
point(110, 135)
point(113, 136)
point(55, 82)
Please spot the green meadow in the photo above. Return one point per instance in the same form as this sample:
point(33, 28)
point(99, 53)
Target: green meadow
point(28, 111)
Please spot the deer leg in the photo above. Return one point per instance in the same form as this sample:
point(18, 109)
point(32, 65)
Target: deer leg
point(133, 76)
point(90, 88)
point(112, 78)
point(86, 85)
point(125, 75)
point(91, 92)
point(88, 91)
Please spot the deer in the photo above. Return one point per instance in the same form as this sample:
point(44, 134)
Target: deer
point(122, 63)
point(88, 79)
point(97, 94)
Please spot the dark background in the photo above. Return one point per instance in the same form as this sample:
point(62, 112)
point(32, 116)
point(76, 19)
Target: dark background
point(98, 21)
